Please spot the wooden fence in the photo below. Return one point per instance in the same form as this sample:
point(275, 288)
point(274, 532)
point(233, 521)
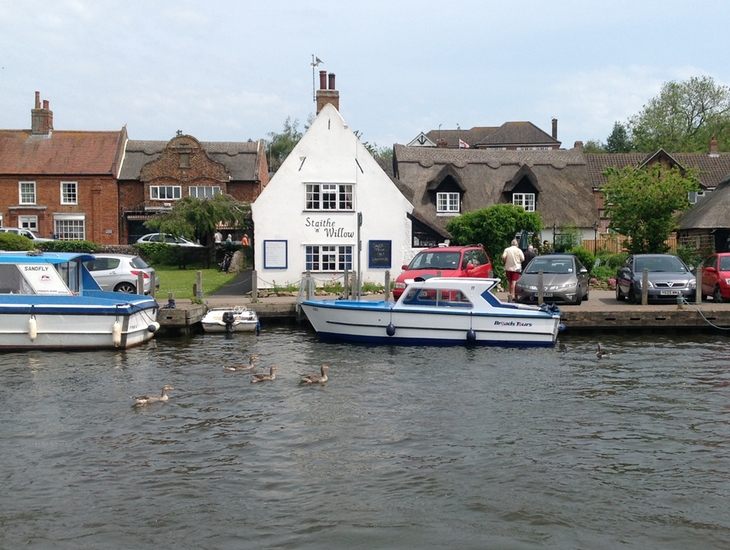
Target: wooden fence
point(613, 244)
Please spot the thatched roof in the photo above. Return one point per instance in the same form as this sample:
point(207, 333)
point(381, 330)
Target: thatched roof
point(488, 176)
point(711, 212)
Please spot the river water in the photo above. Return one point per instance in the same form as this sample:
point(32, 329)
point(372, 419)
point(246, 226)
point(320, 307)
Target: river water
point(403, 448)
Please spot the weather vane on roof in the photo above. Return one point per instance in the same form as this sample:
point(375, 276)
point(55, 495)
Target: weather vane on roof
point(315, 63)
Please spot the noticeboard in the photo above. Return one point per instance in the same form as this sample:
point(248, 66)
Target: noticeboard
point(275, 255)
point(379, 254)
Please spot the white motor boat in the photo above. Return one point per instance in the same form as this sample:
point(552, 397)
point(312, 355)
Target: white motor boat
point(437, 311)
point(231, 319)
point(50, 301)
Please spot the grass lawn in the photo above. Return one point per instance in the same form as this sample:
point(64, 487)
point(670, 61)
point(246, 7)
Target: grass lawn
point(181, 281)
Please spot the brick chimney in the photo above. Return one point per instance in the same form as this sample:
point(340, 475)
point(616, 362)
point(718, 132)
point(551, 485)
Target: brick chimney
point(41, 118)
point(327, 94)
point(713, 147)
point(555, 129)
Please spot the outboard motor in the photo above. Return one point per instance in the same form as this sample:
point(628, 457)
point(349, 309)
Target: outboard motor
point(228, 318)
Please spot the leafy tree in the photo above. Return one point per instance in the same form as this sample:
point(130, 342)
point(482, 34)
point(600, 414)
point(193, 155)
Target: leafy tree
point(684, 117)
point(619, 140)
point(593, 146)
point(373, 149)
point(494, 227)
point(198, 218)
point(643, 204)
point(280, 145)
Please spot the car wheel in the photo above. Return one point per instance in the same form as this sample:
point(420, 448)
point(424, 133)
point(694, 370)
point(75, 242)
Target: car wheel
point(632, 295)
point(717, 295)
point(126, 288)
point(619, 295)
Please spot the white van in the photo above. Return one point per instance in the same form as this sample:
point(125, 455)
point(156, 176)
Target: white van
point(25, 233)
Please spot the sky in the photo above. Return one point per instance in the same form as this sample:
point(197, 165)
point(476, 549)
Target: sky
point(234, 70)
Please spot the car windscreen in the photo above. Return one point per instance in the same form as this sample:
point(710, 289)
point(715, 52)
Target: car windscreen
point(724, 263)
point(670, 264)
point(550, 265)
point(436, 260)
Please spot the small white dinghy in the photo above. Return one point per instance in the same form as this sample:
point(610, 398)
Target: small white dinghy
point(231, 319)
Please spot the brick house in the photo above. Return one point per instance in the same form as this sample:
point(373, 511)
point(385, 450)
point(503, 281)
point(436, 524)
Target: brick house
point(155, 174)
point(60, 182)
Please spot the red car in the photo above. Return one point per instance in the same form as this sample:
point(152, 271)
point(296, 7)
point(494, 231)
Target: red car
point(716, 277)
point(446, 261)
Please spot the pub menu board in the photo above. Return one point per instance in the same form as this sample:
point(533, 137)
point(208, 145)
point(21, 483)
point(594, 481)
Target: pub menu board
point(275, 255)
point(380, 254)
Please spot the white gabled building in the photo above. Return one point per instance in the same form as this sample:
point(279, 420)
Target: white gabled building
point(306, 219)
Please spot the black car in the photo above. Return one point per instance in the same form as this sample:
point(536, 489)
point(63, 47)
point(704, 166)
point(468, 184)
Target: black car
point(668, 277)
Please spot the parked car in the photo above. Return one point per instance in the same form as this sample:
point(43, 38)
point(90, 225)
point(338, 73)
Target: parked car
point(25, 233)
point(716, 277)
point(119, 272)
point(669, 277)
point(448, 261)
point(167, 239)
point(564, 280)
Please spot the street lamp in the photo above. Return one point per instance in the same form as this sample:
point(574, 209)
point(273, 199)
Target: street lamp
point(595, 237)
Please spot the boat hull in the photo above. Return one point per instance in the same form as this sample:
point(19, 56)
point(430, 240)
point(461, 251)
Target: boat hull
point(380, 323)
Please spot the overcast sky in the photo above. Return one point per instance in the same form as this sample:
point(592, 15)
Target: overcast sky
point(228, 70)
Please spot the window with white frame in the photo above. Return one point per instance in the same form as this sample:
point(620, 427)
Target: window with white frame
point(329, 258)
point(694, 196)
point(328, 196)
point(69, 192)
point(447, 203)
point(204, 191)
point(525, 200)
point(70, 227)
point(27, 192)
point(165, 192)
point(28, 222)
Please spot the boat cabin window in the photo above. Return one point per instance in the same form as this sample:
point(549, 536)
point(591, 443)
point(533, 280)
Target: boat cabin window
point(71, 275)
point(12, 281)
point(437, 297)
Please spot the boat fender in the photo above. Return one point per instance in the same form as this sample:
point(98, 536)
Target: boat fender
point(154, 327)
point(561, 327)
point(390, 329)
point(117, 333)
point(471, 335)
point(32, 329)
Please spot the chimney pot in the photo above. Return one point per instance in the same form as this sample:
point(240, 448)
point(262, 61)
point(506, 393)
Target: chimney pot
point(41, 119)
point(555, 129)
point(322, 80)
point(37, 100)
point(46, 105)
point(332, 81)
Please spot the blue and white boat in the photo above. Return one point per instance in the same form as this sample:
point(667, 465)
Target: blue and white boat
point(50, 301)
point(437, 311)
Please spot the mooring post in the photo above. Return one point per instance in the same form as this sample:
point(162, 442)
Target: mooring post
point(644, 287)
point(199, 282)
point(346, 284)
point(308, 285)
point(140, 283)
point(153, 285)
point(698, 284)
point(254, 286)
point(387, 285)
point(540, 289)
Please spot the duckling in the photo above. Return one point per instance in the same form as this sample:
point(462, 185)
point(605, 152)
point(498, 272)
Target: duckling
point(601, 354)
point(147, 399)
point(250, 366)
point(315, 378)
point(263, 377)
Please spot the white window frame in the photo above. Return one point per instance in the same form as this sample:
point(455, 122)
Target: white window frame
point(77, 229)
point(204, 191)
point(165, 192)
point(525, 200)
point(329, 197)
point(328, 258)
point(28, 222)
point(69, 196)
point(448, 203)
point(694, 196)
point(30, 190)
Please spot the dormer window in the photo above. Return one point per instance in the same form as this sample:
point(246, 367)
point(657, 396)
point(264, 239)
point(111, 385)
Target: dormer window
point(525, 200)
point(447, 203)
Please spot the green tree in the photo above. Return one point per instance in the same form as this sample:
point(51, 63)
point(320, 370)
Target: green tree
point(494, 227)
point(684, 117)
point(280, 145)
point(619, 140)
point(643, 204)
point(198, 218)
point(593, 146)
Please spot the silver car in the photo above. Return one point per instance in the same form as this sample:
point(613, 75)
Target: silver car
point(564, 280)
point(119, 272)
point(167, 239)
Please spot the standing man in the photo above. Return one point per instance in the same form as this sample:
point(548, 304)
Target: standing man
point(529, 254)
point(218, 237)
point(513, 258)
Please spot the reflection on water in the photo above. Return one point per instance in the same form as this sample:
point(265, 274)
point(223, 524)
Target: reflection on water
point(402, 448)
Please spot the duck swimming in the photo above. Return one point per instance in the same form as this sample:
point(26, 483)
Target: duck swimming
point(601, 354)
point(250, 366)
point(315, 378)
point(263, 377)
point(147, 399)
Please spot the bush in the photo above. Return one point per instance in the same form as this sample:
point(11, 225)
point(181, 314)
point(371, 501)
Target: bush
point(68, 246)
point(585, 257)
point(13, 243)
point(690, 255)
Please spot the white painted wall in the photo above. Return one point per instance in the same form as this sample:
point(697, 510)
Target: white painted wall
point(329, 152)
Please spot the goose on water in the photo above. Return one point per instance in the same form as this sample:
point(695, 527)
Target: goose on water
point(315, 378)
point(147, 399)
point(601, 354)
point(263, 377)
point(250, 366)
